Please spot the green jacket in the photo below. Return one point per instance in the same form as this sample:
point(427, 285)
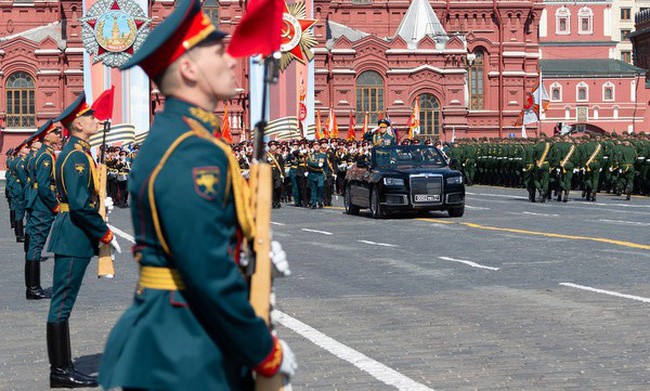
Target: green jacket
point(77, 233)
point(185, 213)
point(45, 199)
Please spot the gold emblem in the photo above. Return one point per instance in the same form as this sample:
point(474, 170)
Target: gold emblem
point(297, 35)
point(79, 167)
point(46, 163)
point(208, 118)
point(206, 180)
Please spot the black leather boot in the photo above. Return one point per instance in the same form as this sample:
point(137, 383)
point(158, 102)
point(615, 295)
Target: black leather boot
point(26, 243)
point(62, 373)
point(20, 231)
point(12, 217)
point(566, 196)
point(33, 281)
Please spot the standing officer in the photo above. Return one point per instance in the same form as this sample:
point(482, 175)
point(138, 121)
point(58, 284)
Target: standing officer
point(190, 326)
point(44, 207)
point(317, 164)
point(277, 170)
point(77, 232)
point(382, 136)
point(19, 191)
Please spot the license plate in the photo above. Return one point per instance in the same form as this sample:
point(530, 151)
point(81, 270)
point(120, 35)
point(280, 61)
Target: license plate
point(427, 198)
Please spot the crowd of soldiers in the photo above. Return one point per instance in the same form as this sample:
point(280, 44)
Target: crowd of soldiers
point(118, 165)
point(554, 166)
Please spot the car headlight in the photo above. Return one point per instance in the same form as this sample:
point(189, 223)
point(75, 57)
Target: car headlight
point(393, 182)
point(455, 180)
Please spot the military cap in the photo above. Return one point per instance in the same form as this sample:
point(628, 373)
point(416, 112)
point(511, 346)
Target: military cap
point(273, 142)
point(383, 121)
point(46, 128)
point(182, 30)
point(78, 108)
point(323, 141)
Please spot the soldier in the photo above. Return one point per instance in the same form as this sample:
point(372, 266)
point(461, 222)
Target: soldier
point(77, 232)
point(123, 167)
point(541, 167)
point(562, 159)
point(382, 136)
point(44, 207)
point(293, 162)
point(591, 153)
point(317, 165)
point(19, 192)
point(190, 326)
point(277, 167)
point(624, 159)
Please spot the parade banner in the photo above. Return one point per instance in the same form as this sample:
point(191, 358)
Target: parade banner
point(119, 134)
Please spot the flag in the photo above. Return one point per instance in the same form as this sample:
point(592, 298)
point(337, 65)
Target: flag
point(103, 105)
point(259, 31)
point(318, 126)
point(414, 121)
point(332, 127)
point(225, 126)
point(351, 133)
point(535, 103)
point(364, 129)
point(380, 114)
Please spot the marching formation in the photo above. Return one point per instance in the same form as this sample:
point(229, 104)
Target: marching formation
point(555, 166)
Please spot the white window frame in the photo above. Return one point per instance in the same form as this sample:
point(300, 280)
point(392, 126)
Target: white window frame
point(586, 12)
point(562, 12)
point(567, 112)
point(615, 112)
point(596, 112)
point(607, 85)
point(580, 85)
point(555, 86)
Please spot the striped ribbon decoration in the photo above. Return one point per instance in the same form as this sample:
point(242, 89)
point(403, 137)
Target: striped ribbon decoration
point(139, 138)
point(287, 127)
point(119, 134)
point(311, 131)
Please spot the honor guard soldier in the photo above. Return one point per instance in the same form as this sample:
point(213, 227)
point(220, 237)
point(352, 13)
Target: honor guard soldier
point(317, 164)
point(190, 326)
point(43, 205)
point(277, 168)
point(77, 232)
point(21, 183)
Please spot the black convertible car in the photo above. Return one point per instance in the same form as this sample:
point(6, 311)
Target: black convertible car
point(404, 178)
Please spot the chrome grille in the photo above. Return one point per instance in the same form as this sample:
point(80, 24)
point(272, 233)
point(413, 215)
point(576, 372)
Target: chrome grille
point(426, 189)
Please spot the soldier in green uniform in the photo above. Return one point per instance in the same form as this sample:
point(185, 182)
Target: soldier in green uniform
point(562, 159)
point(277, 170)
point(77, 232)
point(190, 326)
point(9, 184)
point(528, 170)
point(541, 167)
point(317, 165)
point(20, 173)
point(30, 190)
point(43, 205)
point(591, 156)
point(624, 159)
point(382, 136)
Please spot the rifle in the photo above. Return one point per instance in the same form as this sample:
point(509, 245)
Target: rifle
point(261, 180)
point(105, 266)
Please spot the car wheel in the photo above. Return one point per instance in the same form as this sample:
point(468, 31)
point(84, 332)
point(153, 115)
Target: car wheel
point(457, 211)
point(375, 207)
point(347, 202)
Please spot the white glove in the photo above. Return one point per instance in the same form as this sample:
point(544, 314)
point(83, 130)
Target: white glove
point(620, 170)
point(279, 260)
point(289, 363)
point(558, 170)
point(611, 169)
point(575, 170)
point(306, 174)
point(115, 245)
point(320, 164)
point(600, 170)
point(108, 204)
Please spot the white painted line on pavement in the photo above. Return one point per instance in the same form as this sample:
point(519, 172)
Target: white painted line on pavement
point(476, 207)
point(611, 293)
point(469, 263)
point(274, 223)
point(317, 231)
point(497, 195)
point(623, 205)
point(376, 369)
point(121, 233)
point(539, 214)
point(377, 244)
point(625, 222)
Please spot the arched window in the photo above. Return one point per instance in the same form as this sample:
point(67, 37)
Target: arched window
point(563, 21)
point(370, 96)
point(585, 21)
point(429, 115)
point(20, 101)
point(475, 75)
point(211, 9)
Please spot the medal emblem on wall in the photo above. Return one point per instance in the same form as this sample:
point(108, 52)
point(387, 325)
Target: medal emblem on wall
point(297, 35)
point(113, 30)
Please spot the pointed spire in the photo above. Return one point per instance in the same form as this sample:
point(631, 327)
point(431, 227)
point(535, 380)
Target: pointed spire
point(419, 21)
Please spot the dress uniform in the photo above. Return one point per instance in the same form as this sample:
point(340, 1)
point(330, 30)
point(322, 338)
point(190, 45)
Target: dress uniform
point(76, 233)
point(19, 191)
point(591, 153)
point(317, 165)
point(382, 136)
point(43, 205)
point(190, 326)
point(277, 170)
point(541, 173)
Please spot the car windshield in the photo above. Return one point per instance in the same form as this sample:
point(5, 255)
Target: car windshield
point(404, 156)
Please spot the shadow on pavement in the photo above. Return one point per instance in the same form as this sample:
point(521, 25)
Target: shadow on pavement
point(88, 364)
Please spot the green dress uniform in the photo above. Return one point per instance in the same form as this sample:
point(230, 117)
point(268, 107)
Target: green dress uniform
point(625, 157)
point(190, 326)
point(43, 205)
point(469, 163)
point(540, 158)
point(76, 232)
point(591, 154)
point(317, 164)
point(19, 197)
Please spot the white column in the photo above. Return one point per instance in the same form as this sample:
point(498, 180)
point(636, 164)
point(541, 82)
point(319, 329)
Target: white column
point(137, 112)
